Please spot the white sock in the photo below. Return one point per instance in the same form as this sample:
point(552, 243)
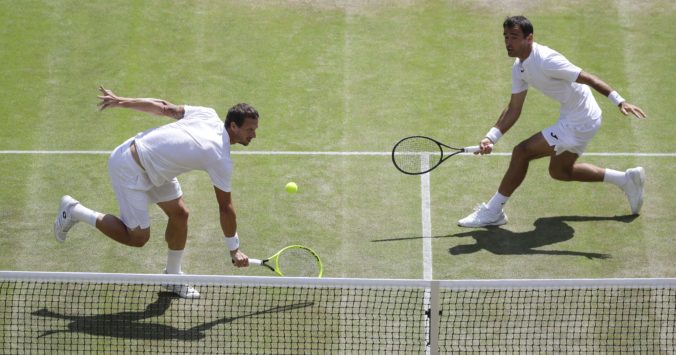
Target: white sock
point(84, 214)
point(174, 261)
point(615, 177)
point(497, 202)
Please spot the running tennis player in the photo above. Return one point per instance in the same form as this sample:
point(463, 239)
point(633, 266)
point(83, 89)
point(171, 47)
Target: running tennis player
point(580, 118)
point(144, 168)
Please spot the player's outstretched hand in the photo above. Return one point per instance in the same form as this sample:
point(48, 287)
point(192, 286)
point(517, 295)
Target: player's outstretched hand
point(108, 99)
point(627, 108)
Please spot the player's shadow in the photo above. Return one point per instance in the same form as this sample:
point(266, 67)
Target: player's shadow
point(131, 325)
point(548, 231)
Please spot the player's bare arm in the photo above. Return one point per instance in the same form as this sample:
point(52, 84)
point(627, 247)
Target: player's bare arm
point(228, 220)
point(154, 106)
point(507, 119)
point(604, 89)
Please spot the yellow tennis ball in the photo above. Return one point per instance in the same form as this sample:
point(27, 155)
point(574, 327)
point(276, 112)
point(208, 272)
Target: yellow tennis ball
point(291, 187)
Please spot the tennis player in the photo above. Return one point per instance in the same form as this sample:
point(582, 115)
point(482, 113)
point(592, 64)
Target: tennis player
point(144, 168)
point(580, 118)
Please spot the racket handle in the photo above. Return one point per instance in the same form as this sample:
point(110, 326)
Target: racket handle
point(473, 149)
point(255, 261)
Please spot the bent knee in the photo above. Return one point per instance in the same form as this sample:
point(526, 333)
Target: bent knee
point(180, 214)
point(561, 175)
point(139, 237)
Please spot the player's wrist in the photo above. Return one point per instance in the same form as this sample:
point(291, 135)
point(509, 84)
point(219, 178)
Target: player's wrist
point(615, 98)
point(232, 243)
point(494, 135)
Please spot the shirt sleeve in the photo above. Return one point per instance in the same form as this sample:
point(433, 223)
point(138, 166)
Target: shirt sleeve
point(558, 67)
point(196, 112)
point(518, 84)
point(221, 175)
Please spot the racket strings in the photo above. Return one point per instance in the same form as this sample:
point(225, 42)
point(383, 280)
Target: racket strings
point(298, 263)
point(417, 154)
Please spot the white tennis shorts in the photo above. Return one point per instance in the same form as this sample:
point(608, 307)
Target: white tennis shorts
point(133, 188)
point(564, 136)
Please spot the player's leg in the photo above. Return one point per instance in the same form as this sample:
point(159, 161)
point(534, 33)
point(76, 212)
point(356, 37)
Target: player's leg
point(129, 182)
point(169, 198)
point(535, 147)
point(570, 143)
point(491, 213)
point(176, 233)
point(564, 167)
point(72, 211)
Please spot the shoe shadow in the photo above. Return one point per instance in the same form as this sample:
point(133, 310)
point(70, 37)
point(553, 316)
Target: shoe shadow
point(548, 231)
point(131, 325)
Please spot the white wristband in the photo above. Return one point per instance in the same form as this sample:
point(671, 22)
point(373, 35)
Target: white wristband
point(494, 135)
point(232, 242)
point(615, 98)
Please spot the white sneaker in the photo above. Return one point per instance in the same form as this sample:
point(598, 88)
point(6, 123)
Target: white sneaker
point(483, 217)
point(183, 291)
point(634, 188)
point(64, 220)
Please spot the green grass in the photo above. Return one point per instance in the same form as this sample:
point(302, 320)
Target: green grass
point(326, 77)
point(332, 76)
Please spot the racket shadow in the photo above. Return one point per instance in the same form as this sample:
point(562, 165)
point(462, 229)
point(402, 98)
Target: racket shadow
point(548, 231)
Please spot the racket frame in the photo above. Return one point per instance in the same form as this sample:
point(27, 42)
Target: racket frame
point(444, 157)
point(275, 260)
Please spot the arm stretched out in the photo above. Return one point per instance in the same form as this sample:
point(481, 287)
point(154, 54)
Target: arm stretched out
point(605, 90)
point(153, 106)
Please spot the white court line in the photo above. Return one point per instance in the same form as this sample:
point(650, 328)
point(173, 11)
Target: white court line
point(329, 153)
point(425, 198)
point(426, 203)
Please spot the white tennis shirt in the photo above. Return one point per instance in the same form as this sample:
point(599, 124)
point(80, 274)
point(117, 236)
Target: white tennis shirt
point(198, 141)
point(552, 74)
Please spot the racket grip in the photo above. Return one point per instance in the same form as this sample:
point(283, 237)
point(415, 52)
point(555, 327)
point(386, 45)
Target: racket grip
point(472, 149)
point(255, 261)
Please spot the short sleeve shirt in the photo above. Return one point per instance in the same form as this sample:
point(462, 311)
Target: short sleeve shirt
point(552, 74)
point(198, 141)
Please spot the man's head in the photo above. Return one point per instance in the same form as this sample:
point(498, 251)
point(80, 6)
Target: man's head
point(241, 123)
point(518, 33)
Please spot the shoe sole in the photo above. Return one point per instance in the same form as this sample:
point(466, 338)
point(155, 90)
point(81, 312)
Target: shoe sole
point(57, 226)
point(641, 183)
point(496, 224)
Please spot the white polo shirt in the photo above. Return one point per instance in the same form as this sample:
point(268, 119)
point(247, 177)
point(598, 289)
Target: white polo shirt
point(198, 141)
point(552, 74)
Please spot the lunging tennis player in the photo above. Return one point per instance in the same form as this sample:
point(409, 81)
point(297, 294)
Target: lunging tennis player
point(580, 118)
point(144, 168)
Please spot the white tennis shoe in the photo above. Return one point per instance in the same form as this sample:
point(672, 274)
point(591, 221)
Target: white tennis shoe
point(64, 220)
point(634, 188)
point(483, 217)
point(183, 291)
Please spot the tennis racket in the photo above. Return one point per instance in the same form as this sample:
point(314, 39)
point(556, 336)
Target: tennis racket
point(294, 261)
point(417, 155)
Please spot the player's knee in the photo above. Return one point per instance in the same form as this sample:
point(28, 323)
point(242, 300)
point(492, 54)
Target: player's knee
point(559, 174)
point(181, 214)
point(139, 237)
point(520, 151)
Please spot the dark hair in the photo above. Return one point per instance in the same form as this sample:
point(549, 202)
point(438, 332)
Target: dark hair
point(239, 113)
point(521, 22)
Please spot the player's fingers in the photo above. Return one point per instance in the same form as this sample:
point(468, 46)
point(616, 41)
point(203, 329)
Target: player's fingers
point(638, 112)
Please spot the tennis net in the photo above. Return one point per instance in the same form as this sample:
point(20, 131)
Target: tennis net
point(132, 313)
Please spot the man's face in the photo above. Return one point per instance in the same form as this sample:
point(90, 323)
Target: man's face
point(516, 44)
point(245, 134)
